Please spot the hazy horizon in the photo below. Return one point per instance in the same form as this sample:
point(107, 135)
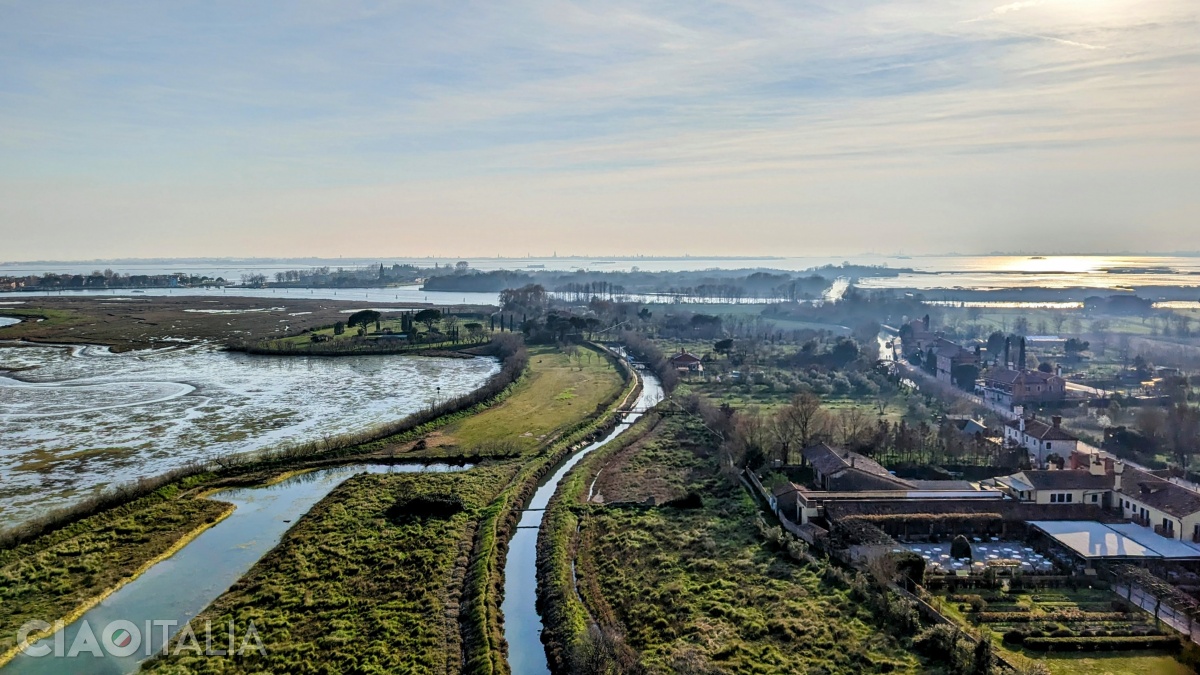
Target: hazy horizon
point(314, 130)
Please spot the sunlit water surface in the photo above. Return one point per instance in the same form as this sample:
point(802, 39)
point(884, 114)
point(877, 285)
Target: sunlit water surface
point(78, 419)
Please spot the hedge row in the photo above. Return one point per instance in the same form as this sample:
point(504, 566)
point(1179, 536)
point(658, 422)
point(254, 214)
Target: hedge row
point(1069, 615)
point(1102, 644)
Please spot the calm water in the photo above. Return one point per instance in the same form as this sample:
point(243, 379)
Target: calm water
point(930, 272)
point(178, 588)
point(408, 294)
point(522, 625)
point(77, 419)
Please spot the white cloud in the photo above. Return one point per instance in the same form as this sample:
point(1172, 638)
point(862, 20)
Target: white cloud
point(590, 112)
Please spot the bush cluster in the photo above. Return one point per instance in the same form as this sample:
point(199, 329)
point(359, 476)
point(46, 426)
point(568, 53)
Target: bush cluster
point(1101, 644)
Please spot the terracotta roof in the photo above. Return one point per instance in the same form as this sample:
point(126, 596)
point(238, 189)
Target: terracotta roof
point(685, 357)
point(1161, 494)
point(1007, 376)
point(1041, 431)
point(1066, 479)
point(852, 470)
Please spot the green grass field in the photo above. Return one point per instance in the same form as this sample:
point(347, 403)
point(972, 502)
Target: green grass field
point(557, 392)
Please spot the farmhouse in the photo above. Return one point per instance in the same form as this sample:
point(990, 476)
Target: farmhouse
point(686, 361)
point(843, 470)
point(1151, 501)
point(954, 363)
point(1040, 439)
point(1008, 387)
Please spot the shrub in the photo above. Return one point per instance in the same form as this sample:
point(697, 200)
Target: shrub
point(1014, 637)
point(425, 506)
point(690, 501)
point(960, 548)
point(1101, 644)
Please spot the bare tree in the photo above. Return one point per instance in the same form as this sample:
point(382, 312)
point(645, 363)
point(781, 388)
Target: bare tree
point(797, 423)
point(852, 424)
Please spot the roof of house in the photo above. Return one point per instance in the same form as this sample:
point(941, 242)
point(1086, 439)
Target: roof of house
point(1065, 479)
point(685, 357)
point(1161, 494)
point(853, 470)
point(939, 485)
point(1009, 376)
point(970, 426)
point(950, 350)
point(1041, 431)
point(784, 489)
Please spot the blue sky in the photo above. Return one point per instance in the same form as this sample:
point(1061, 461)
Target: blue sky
point(410, 128)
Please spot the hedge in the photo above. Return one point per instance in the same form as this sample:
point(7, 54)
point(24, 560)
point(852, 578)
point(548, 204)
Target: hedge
point(1024, 617)
point(1102, 644)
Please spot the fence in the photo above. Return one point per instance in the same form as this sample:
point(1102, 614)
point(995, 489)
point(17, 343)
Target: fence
point(1174, 618)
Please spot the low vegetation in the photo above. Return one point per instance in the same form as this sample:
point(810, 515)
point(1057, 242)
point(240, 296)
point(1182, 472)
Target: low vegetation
point(368, 581)
point(687, 587)
point(67, 570)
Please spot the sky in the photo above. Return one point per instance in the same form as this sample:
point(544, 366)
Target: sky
point(360, 128)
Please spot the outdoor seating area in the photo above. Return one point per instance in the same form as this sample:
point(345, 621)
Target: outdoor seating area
point(991, 550)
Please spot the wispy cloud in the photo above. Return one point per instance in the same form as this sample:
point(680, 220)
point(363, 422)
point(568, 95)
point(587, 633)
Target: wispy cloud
point(220, 110)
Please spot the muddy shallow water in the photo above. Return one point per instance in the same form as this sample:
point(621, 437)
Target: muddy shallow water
point(77, 419)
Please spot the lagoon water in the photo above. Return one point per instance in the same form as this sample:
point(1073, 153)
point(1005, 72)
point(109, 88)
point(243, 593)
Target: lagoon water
point(78, 419)
point(405, 294)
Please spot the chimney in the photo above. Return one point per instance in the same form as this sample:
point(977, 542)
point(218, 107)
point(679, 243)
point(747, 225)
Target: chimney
point(1118, 469)
point(1022, 423)
point(1057, 420)
point(1058, 370)
point(1097, 466)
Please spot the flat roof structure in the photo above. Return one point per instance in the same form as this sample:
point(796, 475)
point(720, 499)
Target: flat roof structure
point(1094, 540)
point(1169, 548)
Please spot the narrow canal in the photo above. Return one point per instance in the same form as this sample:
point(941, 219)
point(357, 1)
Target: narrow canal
point(178, 588)
point(522, 625)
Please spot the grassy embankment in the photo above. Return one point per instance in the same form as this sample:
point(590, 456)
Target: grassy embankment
point(353, 586)
point(695, 589)
point(358, 585)
point(64, 573)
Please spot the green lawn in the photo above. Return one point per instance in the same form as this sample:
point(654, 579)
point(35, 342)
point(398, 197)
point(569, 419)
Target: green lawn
point(1115, 664)
point(558, 390)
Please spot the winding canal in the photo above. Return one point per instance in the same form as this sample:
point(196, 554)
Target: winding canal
point(522, 625)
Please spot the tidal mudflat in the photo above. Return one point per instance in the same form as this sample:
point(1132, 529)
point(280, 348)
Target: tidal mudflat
point(78, 419)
